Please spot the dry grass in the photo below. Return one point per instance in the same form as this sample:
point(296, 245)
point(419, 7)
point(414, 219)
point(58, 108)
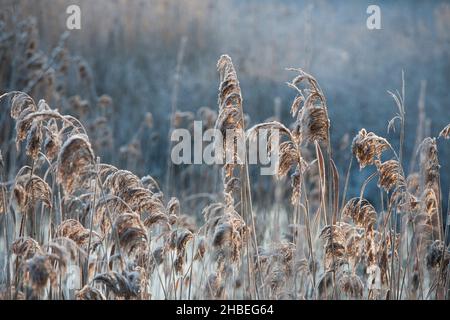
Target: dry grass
point(77, 228)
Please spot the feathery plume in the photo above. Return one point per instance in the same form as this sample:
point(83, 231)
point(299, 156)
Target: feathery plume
point(367, 147)
point(445, 133)
point(75, 159)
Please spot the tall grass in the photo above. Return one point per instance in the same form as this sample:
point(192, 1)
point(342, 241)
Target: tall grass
point(74, 227)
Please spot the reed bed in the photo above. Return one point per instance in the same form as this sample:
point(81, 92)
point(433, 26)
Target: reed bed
point(74, 227)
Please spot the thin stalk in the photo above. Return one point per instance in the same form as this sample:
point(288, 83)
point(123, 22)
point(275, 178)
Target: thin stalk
point(444, 242)
point(347, 178)
point(91, 219)
point(5, 225)
point(191, 267)
point(24, 216)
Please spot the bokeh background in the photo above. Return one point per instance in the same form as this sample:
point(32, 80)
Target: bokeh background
point(151, 55)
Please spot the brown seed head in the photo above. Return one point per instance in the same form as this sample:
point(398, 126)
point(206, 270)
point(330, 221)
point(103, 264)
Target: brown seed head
point(367, 147)
point(390, 175)
point(75, 159)
point(89, 293)
point(361, 212)
point(445, 133)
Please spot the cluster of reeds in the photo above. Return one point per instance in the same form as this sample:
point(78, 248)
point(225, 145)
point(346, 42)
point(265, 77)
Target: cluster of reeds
point(76, 228)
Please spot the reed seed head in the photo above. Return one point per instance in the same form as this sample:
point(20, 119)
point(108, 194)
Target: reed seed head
point(367, 147)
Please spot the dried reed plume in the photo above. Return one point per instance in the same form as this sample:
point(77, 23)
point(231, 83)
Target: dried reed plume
point(361, 212)
point(445, 133)
point(390, 175)
point(230, 234)
point(132, 233)
point(126, 285)
point(22, 104)
point(429, 164)
point(75, 160)
point(52, 142)
point(231, 115)
point(367, 147)
point(334, 240)
point(430, 180)
point(351, 285)
point(37, 189)
point(26, 248)
point(309, 107)
point(75, 231)
point(314, 123)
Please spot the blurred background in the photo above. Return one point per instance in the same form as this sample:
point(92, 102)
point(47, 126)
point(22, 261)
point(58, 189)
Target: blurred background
point(132, 62)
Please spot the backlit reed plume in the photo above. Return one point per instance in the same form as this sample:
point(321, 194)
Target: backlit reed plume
point(390, 175)
point(334, 240)
point(200, 249)
point(367, 147)
point(314, 123)
point(26, 248)
point(121, 180)
point(179, 242)
point(22, 104)
point(75, 160)
point(309, 108)
point(27, 190)
point(52, 142)
point(230, 234)
point(429, 164)
point(361, 212)
point(429, 178)
point(34, 140)
point(37, 189)
point(363, 215)
point(427, 220)
point(132, 233)
point(75, 231)
point(445, 133)
point(231, 117)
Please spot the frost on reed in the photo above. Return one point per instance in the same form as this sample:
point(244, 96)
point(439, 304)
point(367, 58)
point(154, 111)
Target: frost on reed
point(367, 147)
point(445, 133)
